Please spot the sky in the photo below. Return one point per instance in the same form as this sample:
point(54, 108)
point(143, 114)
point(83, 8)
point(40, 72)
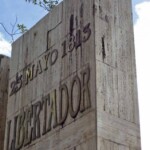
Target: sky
point(142, 49)
point(29, 15)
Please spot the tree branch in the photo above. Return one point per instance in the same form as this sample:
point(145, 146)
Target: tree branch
point(20, 29)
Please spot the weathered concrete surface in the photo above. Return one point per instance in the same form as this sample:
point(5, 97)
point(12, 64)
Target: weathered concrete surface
point(72, 82)
point(4, 77)
point(117, 103)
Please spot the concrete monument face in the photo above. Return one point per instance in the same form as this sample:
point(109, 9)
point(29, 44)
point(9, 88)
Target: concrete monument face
point(72, 81)
point(52, 82)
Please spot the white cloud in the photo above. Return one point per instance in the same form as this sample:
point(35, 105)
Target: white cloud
point(5, 46)
point(142, 46)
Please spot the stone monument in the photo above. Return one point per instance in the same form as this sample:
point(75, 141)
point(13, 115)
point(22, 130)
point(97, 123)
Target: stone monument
point(72, 82)
point(4, 77)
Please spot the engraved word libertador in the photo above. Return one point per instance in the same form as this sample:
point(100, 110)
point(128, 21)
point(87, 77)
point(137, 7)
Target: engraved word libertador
point(50, 112)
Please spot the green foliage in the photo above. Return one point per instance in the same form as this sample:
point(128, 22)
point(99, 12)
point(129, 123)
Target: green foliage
point(46, 4)
point(22, 28)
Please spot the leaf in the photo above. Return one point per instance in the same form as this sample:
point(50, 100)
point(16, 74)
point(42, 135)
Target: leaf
point(46, 4)
point(45, 1)
point(22, 28)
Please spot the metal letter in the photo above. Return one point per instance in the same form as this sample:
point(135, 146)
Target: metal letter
point(27, 124)
point(28, 74)
point(36, 120)
point(85, 101)
point(87, 31)
point(20, 131)
point(46, 57)
point(38, 68)
point(64, 99)
point(64, 49)
point(54, 54)
point(45, 101)
point(53, 111)
point(73, 112)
